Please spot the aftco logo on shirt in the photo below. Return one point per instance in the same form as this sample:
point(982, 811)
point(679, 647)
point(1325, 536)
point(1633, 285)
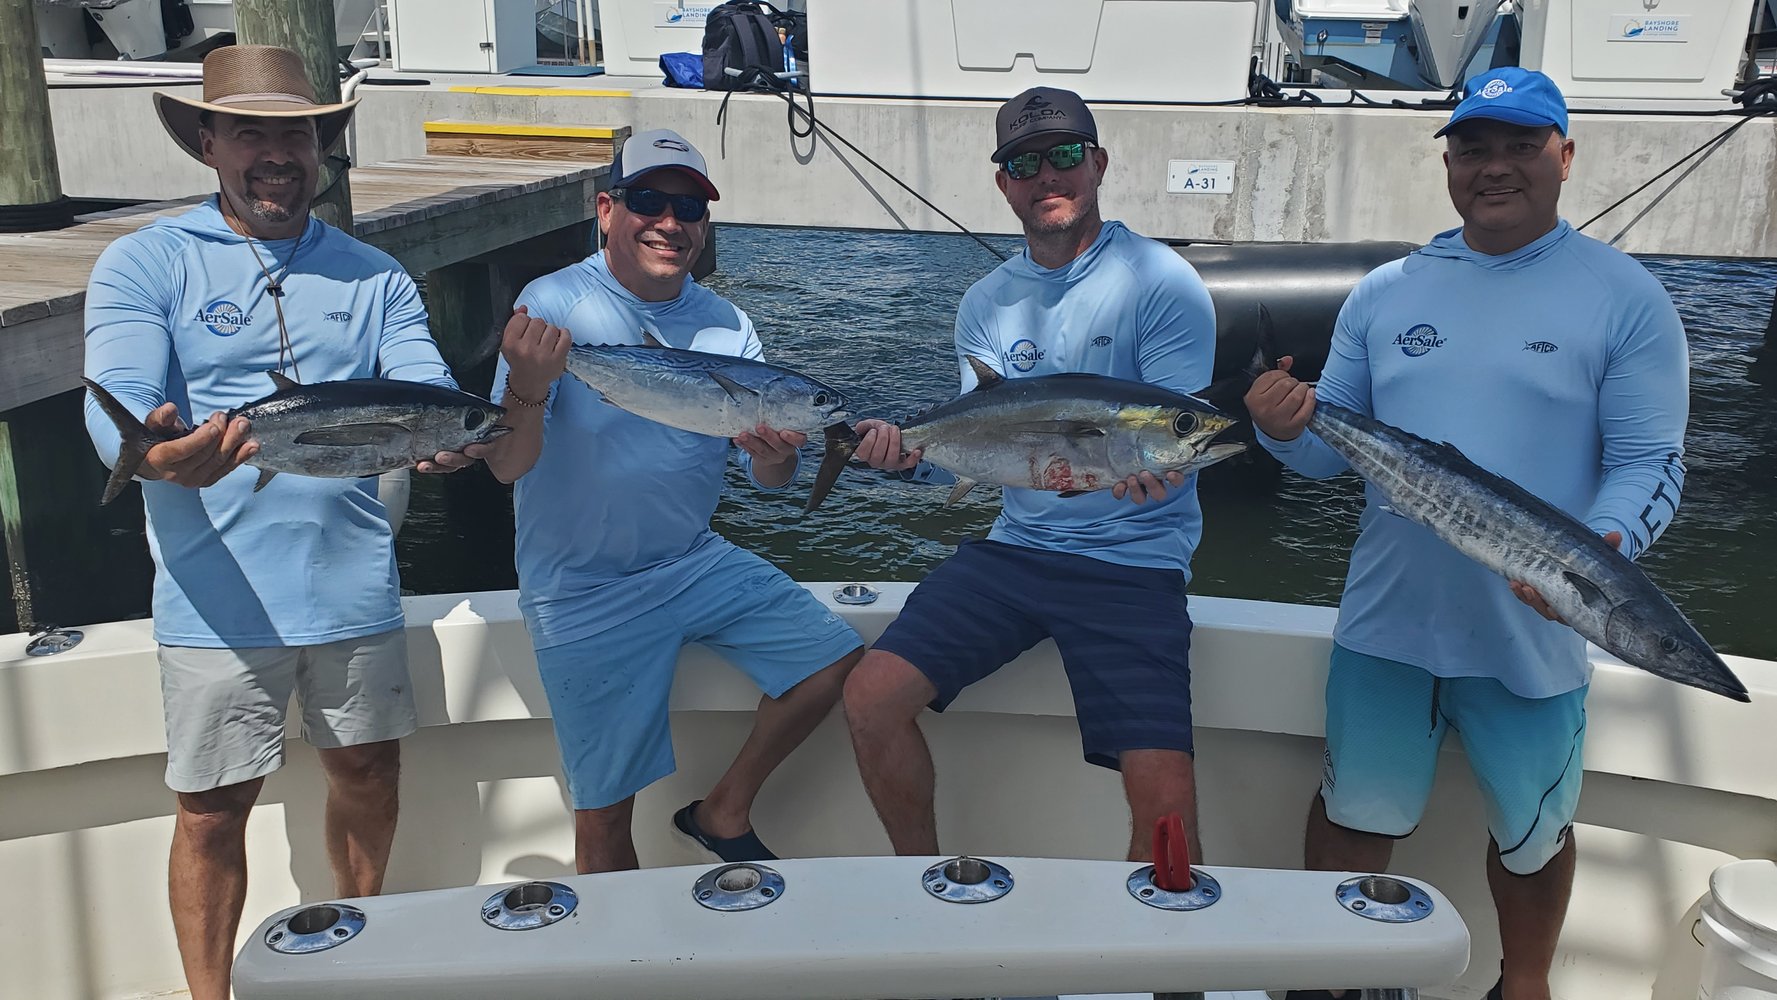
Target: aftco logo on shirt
point(1419, 340)
point(223, 318)
point(1024, 355)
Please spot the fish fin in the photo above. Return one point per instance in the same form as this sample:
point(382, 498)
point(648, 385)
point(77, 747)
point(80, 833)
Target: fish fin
point(960, 490)
point(1228, 393)
point(1070, 429)
point(1589, 591)
point(1074, 493)
point(283, 381)
point(136, 441)
point(1265, 353)
point(985, 376)
point(354, 435)
point(842, 440)
point(265, 476)
point(737, 392)
point(649, 340)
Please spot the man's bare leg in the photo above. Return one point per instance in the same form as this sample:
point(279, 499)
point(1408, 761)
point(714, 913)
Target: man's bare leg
point(1531, 910)
point(1159, 782)
point(779, 727)
point(363, 800)
point(603, 841)
point(883, 699)
point(1329, 847)
point(207, 882)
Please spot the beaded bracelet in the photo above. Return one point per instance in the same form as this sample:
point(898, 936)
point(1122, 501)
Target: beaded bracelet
point(520, 400)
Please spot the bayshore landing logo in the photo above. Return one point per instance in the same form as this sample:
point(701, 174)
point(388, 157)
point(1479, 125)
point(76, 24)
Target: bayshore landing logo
point(1419, 340)
point(1024, 355)
point(223, 318)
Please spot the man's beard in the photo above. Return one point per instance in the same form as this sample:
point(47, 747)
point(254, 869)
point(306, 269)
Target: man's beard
point(270, 211)
point(265, 211)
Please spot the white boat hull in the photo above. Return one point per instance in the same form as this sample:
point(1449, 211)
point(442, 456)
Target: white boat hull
point(1679, 782)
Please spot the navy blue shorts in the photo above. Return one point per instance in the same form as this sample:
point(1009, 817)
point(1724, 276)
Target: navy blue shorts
point(1123, 631)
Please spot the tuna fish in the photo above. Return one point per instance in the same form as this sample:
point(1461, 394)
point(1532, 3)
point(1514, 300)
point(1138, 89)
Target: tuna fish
point(718, 395)
point(1509, 530)
point(1068, 433)
point(344, 429)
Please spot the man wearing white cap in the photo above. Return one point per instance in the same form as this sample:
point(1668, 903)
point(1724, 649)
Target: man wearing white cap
point(617, 566)
point(292, 587)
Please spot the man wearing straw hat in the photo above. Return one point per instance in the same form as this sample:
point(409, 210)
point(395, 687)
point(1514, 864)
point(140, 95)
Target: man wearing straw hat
point(292, 587)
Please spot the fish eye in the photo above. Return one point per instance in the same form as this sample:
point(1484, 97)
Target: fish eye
point(820, 399)
point(1669, 644)
point(474, 419)
point(1184, 423)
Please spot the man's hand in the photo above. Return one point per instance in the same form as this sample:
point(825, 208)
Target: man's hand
point(1529, 595)
point(879, 447)
point(200, 458)
point(1279, 404)
point(536, 354)
point(773, 451)
point(1144, 485)
point(448, 461)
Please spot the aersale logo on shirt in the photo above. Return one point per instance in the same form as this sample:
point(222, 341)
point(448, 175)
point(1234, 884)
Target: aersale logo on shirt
point(1024, 355)
point(223, 318)
point(1419, 340)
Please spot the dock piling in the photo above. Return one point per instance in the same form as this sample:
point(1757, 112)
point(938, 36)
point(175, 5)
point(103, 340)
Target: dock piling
point(30, 182)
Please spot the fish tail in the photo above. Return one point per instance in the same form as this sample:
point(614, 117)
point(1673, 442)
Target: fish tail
point(842, 441)
point(1228, 392)
point(136, 440)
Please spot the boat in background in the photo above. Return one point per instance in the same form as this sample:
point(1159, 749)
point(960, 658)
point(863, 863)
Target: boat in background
point(1679, 783)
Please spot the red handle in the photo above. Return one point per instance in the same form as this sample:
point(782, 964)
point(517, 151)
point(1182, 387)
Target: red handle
point(1172, 854)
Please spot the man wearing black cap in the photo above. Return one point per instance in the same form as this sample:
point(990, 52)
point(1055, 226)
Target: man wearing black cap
point(1551, 359)
point(618, 569)
point(1105, 573)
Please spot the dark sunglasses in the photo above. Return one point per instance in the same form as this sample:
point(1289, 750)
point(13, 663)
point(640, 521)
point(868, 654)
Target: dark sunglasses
point(649, 202)
point(1066, 156)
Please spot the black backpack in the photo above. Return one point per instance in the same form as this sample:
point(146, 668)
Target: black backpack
point(742, 35)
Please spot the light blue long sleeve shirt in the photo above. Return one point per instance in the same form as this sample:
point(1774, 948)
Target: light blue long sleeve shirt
point(179, 312)
point(1561, 366)
point(614, 518)
point(1131, 308)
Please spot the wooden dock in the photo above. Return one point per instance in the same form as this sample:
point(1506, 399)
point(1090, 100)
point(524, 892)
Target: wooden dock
point(431, 213)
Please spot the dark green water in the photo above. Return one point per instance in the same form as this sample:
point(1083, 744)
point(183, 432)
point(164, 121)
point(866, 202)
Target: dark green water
point(873, 313)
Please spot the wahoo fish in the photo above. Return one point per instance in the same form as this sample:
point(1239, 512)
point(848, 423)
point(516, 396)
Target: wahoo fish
point(344, 429)
point(718, 395)
point(1520, 536)
point(1069, 433)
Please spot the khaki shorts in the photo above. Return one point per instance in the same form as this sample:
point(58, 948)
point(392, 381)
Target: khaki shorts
point(225, 708)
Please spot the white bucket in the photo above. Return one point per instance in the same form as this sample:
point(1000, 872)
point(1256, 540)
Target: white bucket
point(1739, 933)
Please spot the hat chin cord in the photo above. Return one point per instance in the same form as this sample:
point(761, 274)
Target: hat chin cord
point(274, 287)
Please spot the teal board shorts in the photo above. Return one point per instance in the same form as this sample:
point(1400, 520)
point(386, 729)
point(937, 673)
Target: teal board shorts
point(608, 693)
point(1386, 721)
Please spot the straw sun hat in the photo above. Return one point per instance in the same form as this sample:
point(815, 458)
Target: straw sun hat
point(263, 81)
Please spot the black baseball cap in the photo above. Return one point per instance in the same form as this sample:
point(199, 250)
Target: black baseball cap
point(1041, 111)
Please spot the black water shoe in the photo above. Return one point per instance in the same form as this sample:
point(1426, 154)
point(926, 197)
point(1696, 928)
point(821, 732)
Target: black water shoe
point(746, 847)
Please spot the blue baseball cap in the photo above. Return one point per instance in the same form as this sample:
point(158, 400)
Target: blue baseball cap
point(1511, 94)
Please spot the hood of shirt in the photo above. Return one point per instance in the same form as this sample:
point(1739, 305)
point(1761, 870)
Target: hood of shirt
point(1450, 245)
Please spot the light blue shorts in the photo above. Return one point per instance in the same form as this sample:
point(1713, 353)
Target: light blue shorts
point(1386, 721)
point(608, 693)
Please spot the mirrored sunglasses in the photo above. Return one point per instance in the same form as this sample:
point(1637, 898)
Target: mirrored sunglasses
point(1066, 156)
point(649, 202)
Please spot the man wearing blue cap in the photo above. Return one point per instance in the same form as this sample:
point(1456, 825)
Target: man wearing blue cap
point(1557, 362)
point(618, 569)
